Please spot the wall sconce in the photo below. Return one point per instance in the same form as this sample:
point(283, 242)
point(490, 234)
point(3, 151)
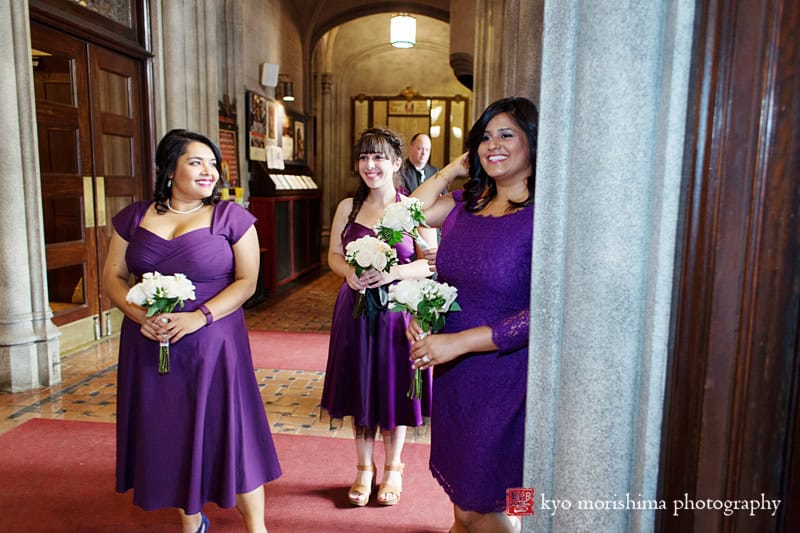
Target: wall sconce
point(403, 31)
point(285, 89)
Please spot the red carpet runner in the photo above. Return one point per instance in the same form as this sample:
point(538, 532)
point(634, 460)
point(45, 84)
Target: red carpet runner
point(289, 350)
point(58, 475)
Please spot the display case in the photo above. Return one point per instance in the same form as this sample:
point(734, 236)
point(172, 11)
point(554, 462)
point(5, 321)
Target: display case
point(286, 203)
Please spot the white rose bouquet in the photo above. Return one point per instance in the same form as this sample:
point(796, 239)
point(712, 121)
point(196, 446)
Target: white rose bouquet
point(161, 294)
point(428, 301)
point(365, 253)
point(403, 217)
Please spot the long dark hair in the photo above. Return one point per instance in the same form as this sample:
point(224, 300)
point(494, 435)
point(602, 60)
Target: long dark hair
point(374, 141)
point(170, 149)
point(480, 188)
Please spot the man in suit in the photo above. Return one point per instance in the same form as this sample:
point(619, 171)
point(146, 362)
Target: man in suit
point(415, 168)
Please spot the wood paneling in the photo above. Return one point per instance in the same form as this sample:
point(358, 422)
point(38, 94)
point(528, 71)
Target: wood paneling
point(731, 413)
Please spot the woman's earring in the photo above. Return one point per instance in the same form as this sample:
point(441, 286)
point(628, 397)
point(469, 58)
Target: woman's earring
point(169, 183)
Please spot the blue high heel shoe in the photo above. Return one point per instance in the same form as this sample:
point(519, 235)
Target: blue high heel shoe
point(203, 524)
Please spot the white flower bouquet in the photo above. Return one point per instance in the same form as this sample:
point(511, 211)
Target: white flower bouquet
point(428, 301)
point(365, 253)
point(403, 217)
point(158, 293)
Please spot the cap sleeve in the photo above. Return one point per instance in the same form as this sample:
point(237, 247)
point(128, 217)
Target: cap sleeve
point(232, 220)
point(127, 220)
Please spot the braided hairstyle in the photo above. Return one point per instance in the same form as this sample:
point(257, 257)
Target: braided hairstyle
point(480, 188)
point(374, 141)
point(170, 149)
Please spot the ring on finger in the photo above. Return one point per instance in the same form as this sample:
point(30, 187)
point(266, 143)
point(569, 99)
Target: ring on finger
point(425, 359)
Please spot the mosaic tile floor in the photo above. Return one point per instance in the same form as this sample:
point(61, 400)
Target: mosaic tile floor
point(291, 397)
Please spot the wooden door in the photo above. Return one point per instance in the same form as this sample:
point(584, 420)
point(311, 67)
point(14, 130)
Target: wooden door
point(732, 418)
point(89, 121)
point(117, 139)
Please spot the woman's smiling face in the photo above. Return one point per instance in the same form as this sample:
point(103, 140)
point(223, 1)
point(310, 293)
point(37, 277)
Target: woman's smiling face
point(504, 152)
point(376, 169)
point(195, 173)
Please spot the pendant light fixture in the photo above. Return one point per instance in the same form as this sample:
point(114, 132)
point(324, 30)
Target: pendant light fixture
point(285, 89)
point(403, 32)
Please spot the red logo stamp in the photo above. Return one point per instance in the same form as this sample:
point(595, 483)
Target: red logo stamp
point(519, 502)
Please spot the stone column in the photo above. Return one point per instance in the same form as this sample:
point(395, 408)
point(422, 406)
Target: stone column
point(29, 355)
point(508, 50)
point(613, 106)
point(489, 56)
point(522, 44)
point(230, 63)
point(186, 86)
point(329, 179)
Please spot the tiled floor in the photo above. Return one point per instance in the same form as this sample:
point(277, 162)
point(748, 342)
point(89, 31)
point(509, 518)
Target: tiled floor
point(291, 397)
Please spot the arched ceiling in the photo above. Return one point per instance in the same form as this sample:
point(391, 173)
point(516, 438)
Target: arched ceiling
point(365, 62)
point(315, 17)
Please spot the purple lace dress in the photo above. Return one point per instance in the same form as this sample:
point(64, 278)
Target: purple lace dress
point(198, 434)
point(478, 418)
point(367, 377)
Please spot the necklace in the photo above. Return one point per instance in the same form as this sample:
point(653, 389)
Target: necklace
point(192, 210)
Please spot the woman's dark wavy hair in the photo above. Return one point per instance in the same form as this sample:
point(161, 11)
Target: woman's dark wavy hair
point(374, 141)
point(170, 149)
point(480, 188)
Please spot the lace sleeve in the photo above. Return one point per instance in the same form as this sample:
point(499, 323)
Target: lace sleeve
point(510, 333)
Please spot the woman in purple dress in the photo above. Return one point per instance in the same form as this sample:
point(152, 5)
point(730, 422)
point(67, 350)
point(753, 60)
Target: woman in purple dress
point(480, 359)
point(368, 371)
point(198, 433)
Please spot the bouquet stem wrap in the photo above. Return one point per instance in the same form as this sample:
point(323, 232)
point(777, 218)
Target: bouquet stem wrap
point(415, 390)
point(163, 357)
point(422, 244)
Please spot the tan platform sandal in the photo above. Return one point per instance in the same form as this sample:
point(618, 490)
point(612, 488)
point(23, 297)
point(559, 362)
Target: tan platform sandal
point(363, 491)
point(389, 494)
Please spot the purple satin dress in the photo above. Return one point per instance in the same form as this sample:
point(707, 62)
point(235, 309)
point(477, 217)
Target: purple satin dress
point(198, 434)
point(367, 377)
point(478, 419)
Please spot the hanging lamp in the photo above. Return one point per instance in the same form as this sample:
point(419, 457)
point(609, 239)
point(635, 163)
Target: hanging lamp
point(403, 32)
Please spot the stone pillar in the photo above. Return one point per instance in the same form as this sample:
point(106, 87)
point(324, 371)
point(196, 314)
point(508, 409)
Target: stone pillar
point(330, 181)
point(489, 54)
point(522, 43)
point(186, 86)
point(230, 63)
point(613, 105)
point(508, 50)
point(29, 355)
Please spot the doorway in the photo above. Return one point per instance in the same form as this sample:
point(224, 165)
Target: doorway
point(89, 114)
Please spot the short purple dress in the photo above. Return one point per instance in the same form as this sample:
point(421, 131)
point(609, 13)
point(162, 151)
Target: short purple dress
point(367, 376)
point(478, 419)
point(200, 433)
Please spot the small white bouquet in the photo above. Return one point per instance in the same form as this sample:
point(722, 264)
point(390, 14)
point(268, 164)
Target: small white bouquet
point(365, 253)
point(403, 217)
point(428, 301)
point(158, 293)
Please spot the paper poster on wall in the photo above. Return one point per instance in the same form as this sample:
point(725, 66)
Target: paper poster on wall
point(230, 165)
point(299, 140)
point(256, 127)
point(272, 119)
point(287, 141)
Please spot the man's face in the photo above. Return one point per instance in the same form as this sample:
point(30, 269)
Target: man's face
point(420, 151)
